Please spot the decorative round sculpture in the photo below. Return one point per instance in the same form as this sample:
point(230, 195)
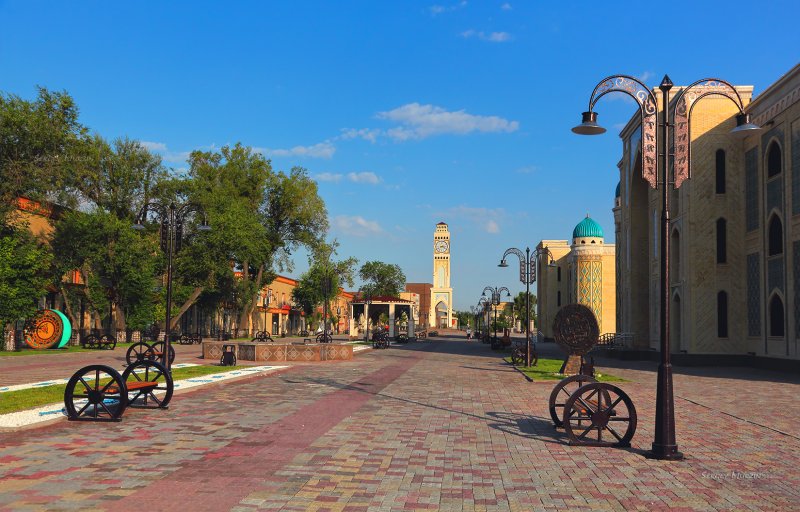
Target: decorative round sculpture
point(575, 329)
point(48, 329)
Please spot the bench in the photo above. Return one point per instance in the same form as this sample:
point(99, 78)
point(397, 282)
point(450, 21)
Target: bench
point(143, 351)
point(99, 393)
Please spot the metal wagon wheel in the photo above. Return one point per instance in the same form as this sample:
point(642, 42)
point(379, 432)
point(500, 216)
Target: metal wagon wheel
point(185, 339)
point(91, 341)
point(324, 337)
point(596, 410)
point(93, 393)
point(137, 352)
point(157, 349)
point(518, 355)
point(149, 385)
point(107, 342)
point(561, 393)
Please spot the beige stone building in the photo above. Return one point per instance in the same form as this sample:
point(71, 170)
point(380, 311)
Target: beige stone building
point(582, 271)
point(734, 237)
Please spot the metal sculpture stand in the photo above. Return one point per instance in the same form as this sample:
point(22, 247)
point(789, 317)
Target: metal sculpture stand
point(591, 413)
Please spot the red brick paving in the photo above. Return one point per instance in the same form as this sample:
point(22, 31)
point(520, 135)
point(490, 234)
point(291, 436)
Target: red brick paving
point(441, 425)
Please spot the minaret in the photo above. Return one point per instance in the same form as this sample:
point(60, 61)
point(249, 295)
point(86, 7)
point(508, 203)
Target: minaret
point(441, 313)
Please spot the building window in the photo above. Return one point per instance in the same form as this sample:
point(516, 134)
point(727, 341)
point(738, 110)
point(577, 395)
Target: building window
point(722, 314)
point(720, 188)
point(774, 164)
point(722, 241)
point(776, 316)
point(558, 299)
point(558, 275)
point(775, 241)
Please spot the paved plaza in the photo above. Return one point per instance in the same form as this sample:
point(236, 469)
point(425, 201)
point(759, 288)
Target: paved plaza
point(439, 425)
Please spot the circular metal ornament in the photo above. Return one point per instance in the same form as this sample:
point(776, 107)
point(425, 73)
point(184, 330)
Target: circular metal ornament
point(575, 329)
point(47, 329)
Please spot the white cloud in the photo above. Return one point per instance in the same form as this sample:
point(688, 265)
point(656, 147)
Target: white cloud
point(647, 75)
point(364, 177)
point(368, 134)
point(421, 121)
point(492, 37)
point(153, 146)
point(355, 225)
point(160, 148)
point(327, 176)
point(440, 9)
point(486, 219)
point(324, 150)
point(528, 169)
point(506, 6)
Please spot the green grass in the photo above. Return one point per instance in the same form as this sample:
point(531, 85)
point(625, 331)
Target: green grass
point(547, 369)
point(56, 351)
point(13, 401)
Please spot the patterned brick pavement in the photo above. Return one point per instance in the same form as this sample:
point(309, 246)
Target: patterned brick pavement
point(441, 425)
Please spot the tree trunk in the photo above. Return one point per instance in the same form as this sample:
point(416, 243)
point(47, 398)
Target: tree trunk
point(67, 305)
point(247, 310)
point(185, 307)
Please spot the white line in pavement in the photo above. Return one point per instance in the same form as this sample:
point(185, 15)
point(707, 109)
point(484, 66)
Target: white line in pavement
point(48, 412)
point(44, 383)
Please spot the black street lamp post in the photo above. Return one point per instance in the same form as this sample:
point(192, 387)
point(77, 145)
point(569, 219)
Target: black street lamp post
point(367, 293)
point(495, 301)
point(527, 274)
point(171, 218)
point(656, 162)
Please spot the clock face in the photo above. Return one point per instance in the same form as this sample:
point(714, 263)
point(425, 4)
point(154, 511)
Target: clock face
point(440, 246)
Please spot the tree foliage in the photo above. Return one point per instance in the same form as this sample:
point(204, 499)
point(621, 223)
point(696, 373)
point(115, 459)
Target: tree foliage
point(519, 308)
point(23, 273)
point(382, 278)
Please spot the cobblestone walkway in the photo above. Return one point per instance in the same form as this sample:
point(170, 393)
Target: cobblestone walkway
point(441, 425)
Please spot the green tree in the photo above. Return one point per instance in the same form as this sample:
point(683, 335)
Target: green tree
point(323, 275)
point(24, 264)
point(118, 264)
point(41, 143)
point(382, 278)
point(519, 308)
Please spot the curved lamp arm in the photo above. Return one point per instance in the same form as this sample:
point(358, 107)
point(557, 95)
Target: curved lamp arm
point(160, 209)
point(647, 108)
point(682, 111)
point(525, 274)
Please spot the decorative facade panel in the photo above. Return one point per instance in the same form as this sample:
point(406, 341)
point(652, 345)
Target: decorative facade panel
point(590, 286)
point(795, 168)
point(753, 295)
point(796, 277)
point(775, 195)
point(752, 216)
point(775, 274)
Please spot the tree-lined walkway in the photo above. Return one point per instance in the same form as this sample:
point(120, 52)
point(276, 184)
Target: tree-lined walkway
point(440, 425)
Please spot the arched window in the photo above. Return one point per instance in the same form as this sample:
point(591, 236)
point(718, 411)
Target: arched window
point(775, 241)
point(774, 163)
point(558, 299)
point(776, 316)
point(722, 314)
point(558, 273)
point(722, 241)
point(720, 188)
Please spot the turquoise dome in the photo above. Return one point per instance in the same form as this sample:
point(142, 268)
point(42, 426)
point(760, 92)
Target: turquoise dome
point(616, 193)
point(587, 228)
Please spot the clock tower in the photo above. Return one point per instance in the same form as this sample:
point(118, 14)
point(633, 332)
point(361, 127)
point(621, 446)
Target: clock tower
point(441, 313)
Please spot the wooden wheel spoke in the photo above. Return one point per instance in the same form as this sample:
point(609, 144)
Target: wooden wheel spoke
point(84, 408)
point(583, 434)
point(103, 405)
point(85, 384)
point(108, 385)
point(614, 432)
point(588, 406)
point(619, 418)
point(618, 400)
point(96, 379)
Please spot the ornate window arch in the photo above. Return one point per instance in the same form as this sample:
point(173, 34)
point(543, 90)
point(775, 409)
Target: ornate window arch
point(776, 316)
point(774, 235)
point(774, 159)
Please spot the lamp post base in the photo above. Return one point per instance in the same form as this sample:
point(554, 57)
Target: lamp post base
point(664, 452)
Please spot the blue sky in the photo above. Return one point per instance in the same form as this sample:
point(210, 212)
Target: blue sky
point(407, 113)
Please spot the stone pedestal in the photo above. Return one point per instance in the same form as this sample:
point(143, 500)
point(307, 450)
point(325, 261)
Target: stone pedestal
point(280, 352)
